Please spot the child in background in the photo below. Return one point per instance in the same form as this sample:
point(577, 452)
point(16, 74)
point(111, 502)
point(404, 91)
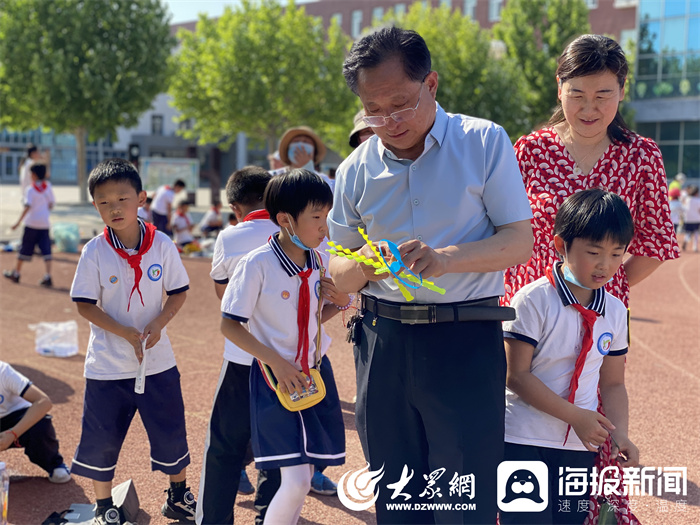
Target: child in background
point(691, 218)
point(211, 221)
point(24, 422)
point(232, 219)
point(275, 289)
point(38, 202)
point(118, 286)
point(181, 223)
point(559, 352)
point(145, 211)
point(163, 205)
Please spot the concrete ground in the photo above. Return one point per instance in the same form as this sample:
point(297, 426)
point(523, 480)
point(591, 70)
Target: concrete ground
point(663, 381)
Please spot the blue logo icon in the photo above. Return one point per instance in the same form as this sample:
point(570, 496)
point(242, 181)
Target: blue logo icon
point(604, 343)
point(155, 271)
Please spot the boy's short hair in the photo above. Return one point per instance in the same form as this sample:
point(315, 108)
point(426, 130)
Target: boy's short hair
point(179, 183)
point(595, 215)
point(149, 200)
point(39, 170)
point(31, 148)
point(294, 191)
point(247, 185)
point(116, 170)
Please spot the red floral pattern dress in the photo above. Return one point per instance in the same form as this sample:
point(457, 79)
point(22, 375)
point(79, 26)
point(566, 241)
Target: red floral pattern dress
point(636, 173)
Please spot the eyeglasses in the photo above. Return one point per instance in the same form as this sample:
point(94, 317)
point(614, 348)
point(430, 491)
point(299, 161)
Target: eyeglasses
point(398, 116)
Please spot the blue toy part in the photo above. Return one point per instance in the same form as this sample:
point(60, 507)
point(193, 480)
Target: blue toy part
point(398, 265)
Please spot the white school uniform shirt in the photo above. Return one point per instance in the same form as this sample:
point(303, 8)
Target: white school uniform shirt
point(182, 224)
point(104, 278)
point(464, 185)
point(691, 210)
point(545, 320)
point(12, 386)
point(25, 176)
point(145, 214)
point(210, 215)
point(39, 203)
point(264, 292)
point(164, 196)
point(231, 245)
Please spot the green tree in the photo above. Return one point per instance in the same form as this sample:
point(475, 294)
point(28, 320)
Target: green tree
point(535, 33)
point(261, 68)
point(81, 66)
point(474, 78)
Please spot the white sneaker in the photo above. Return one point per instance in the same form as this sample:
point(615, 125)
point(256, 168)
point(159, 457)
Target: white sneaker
point(60, 474)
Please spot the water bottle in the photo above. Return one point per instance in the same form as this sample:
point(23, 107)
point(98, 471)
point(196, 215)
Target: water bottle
point(4, 492)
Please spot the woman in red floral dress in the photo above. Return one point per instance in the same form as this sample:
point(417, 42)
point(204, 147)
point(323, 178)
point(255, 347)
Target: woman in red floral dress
point(588, 145)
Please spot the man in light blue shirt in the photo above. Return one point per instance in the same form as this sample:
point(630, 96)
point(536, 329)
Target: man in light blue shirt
point(447, 190)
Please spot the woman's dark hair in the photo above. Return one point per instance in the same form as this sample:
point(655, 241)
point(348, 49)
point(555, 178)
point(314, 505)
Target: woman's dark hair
point(247, 185)
point(294, 191)
point(114, 170)
point(589, 55)
point(384, 44)
point(594, 215)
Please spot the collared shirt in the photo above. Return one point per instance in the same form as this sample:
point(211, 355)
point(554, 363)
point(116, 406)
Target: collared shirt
point(264, 292)
point(546, 320)
point(40, 203)
point(105, 279)
point(13, 386)
point(464, 184)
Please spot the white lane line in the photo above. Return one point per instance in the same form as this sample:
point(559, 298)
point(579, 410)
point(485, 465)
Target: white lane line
point(685, 283)
point(664, 360)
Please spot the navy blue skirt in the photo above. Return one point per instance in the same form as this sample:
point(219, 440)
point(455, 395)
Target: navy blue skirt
point(281, 438)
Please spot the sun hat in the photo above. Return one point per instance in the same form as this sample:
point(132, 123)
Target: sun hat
point(354, 138)
point(291, 134)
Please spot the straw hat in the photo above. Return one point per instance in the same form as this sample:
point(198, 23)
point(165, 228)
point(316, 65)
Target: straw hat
point(291, 134)
point(354, 138)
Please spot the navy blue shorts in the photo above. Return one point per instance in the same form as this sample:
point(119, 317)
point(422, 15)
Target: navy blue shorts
point(108, 409)
point(281, 438)
point(34, 237)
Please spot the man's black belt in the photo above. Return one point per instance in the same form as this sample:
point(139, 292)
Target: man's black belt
point(479, 310)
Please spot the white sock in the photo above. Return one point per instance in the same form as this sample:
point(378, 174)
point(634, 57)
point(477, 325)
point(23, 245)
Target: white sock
point(295, 485)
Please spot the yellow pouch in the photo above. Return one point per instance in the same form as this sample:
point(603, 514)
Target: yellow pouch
point(312, 395)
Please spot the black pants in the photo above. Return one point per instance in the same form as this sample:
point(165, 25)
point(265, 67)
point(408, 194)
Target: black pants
point(431, 397)
point(561, 509)
point(227, 451)
point(161, 222)
point(39, 442)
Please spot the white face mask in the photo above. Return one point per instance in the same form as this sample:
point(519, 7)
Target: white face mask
point(301, 146)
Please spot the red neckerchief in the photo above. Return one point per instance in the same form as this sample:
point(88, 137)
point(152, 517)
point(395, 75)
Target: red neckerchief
point(303, 320)
point(135, 260)
point(39, 187)
point(257, 214)
point(589, 318)
point(184, 216)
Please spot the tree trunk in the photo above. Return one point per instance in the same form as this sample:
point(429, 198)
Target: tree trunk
point(80, 153)
point(215, 175)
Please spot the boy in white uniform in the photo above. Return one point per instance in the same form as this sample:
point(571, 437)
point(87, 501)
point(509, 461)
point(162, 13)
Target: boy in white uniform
point(38, 202)
point(228, 434)
point(276, 290)
point(24, 422)
point(559, 353)
point(181, 223)
point(162, 206)
point(118, 287)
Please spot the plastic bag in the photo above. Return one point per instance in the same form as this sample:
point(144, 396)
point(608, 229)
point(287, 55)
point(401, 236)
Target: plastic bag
point(56, 339)
point(66, 235)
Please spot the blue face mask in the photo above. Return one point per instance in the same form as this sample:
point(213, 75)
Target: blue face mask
point(298, 146)
point(570, 277)
point(295, 238)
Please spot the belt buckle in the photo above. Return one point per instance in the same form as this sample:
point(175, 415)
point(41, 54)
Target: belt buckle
point(429, 309)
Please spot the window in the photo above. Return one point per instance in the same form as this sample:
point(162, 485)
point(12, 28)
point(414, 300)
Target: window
point(592, 4)
point(156, 124)
point(356, 23)
point(337, 18)
point(495, 7)
point(400, 9)
point(469, 8)
point(447, 3)
point(377, 14)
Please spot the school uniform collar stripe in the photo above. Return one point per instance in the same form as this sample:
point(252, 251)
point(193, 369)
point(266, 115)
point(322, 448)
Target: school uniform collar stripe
point(568, 298)
point(118, 244)
point(290, 266)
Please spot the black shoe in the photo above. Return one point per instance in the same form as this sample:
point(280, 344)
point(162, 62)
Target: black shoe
point(244, 485)
point(45, 281)
point(111, 516)
point(183, 509)
point(11, 275)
